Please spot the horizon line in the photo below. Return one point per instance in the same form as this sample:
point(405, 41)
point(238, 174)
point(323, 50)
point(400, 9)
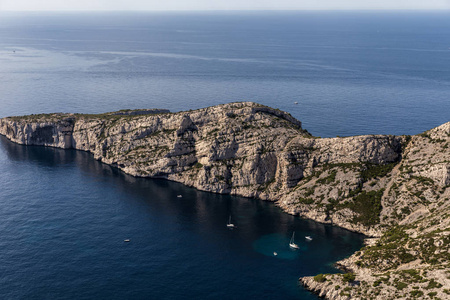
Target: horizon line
point(235, 10)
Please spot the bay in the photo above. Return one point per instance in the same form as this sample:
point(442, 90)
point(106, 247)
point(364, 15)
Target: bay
point(64, 219)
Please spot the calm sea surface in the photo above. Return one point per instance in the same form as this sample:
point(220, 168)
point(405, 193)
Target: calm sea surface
point(64, 216)
point(351, 73)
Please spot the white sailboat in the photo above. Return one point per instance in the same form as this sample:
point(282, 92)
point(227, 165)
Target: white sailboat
point(292, 243)
point(229, 224)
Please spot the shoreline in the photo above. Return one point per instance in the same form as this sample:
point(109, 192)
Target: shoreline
point(386, 187)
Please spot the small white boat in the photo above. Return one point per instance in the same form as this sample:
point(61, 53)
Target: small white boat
point(275, 254)
point(295, 102)
point(292, 243)
point(308, 238)
point(179, 196)
point(229, 224)
point(127, 240)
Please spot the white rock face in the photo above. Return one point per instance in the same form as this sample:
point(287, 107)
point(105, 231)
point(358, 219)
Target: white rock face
point(322, 289)
point(45, 133)
point(366, 184)
point(240, 148)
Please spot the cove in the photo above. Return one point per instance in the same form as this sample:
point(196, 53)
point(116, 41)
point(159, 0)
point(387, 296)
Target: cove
point(65, 217)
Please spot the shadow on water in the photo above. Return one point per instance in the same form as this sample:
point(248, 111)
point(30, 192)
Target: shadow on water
point(192, 228)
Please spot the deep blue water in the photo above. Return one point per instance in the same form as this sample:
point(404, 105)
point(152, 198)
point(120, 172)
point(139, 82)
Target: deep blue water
point(64, 216)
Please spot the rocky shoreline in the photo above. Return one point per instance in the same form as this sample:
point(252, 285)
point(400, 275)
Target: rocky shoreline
point(394, 188)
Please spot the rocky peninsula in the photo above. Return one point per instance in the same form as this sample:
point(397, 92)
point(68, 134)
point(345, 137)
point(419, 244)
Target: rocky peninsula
point(394, 189)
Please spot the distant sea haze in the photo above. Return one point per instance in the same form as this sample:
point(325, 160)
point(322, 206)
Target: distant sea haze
point(350, 72)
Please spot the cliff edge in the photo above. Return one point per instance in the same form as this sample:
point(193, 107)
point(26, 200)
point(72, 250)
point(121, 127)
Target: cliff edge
point(393, 188)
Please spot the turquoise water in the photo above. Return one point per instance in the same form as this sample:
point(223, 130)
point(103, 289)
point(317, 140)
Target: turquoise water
point(64, 216)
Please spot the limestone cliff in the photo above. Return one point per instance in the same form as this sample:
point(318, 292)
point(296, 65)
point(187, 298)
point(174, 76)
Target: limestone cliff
point(371, 184)
point(411, 259)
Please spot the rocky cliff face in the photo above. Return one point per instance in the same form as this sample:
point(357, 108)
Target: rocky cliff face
point(240, 148)
point(368, 184)
point(411, 258)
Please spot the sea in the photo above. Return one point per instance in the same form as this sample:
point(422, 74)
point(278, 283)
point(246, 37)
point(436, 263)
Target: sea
point(64, 217)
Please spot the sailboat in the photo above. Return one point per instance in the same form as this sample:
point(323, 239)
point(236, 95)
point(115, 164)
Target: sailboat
point(292, 243)
point(229, 224)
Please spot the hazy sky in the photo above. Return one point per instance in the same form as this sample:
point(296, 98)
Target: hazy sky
point(219, 5)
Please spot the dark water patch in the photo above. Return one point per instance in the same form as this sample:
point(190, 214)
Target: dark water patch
point(65, 217)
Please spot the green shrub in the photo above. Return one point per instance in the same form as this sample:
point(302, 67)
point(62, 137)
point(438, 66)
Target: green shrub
point(368, 207)
point(320, 278)
point(405, 257)
point(433, 284)
point(329, 179)
point(416, 293)
point(374, 171)
point(305, 200)
point(348, 277)
point(400, 285)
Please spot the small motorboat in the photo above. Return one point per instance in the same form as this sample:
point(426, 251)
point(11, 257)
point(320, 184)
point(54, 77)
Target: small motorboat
point(275, 254)
point(308, 238)
point(127, 240)
point(179, 196)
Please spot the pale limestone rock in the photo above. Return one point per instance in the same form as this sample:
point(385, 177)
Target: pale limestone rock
point(256, 151)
